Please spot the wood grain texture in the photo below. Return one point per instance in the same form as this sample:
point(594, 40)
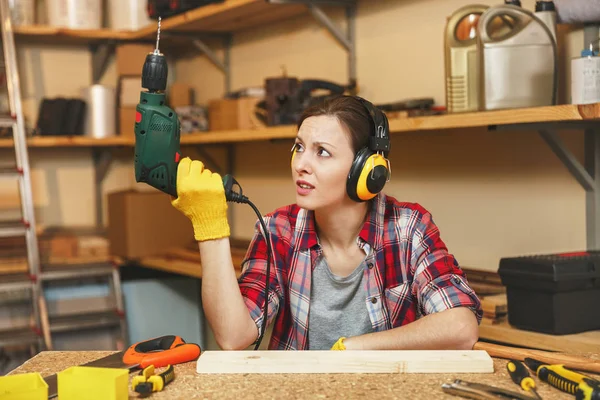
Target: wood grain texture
point(559, 113)
point(335, 362)
point(71, 141)
point(230, 16)
point(495, 305)
point(503, 332)
point(190, 385)
point(517, 353)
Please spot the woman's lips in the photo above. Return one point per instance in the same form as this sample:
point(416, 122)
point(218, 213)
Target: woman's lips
point(303, 188)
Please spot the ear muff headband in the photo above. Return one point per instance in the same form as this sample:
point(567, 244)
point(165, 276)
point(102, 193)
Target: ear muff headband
point(370, 169)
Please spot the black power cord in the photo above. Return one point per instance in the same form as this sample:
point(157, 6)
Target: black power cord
point(232, 196)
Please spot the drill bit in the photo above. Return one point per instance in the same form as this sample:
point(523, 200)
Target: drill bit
point(155, 70)
point(156, 51)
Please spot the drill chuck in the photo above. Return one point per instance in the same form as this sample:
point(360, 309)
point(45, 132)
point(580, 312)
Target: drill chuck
point(154, 72)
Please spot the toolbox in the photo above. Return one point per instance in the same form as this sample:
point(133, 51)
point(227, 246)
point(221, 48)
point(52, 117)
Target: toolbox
point(553, 293)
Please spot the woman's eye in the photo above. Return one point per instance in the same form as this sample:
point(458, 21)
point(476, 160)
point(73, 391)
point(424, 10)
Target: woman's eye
point(297, 147)
point(323, 153)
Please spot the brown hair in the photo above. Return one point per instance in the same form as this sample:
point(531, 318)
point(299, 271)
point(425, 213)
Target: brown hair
point(351, 114)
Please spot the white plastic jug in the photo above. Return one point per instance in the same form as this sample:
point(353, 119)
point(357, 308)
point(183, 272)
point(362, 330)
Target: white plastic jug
point(75, 14)
point(461, 61)
point(518, 59)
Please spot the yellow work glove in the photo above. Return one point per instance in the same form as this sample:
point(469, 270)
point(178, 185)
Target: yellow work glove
point(201, 198)
point(339, 345)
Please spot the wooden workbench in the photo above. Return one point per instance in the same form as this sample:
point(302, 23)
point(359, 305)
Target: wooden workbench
point(189, 385)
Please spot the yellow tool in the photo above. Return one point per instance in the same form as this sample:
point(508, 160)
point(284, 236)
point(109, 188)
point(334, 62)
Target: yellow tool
point(520, 375)
point(581, 386)
point(146, 382)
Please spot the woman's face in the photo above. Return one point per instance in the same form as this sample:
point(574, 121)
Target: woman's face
point(321, 164)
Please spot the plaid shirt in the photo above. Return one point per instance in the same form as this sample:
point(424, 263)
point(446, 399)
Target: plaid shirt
point(410, 272)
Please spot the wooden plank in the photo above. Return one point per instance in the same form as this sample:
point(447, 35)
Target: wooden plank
point(560, 113)
point(242, 135)
point(519, 353)
point(52, 34)
point(478, 275)
point(495, 305)
point(12, 267)
point(566, 112)
point(503, 332)
point(331, 362)
point(230, 16)
point(71, 141)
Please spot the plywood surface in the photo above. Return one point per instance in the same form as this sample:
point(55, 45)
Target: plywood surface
point(503, 332)
point(190, 385)
point(337, 362)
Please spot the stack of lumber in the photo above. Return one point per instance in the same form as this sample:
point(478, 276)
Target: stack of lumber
point(73, 246)
point(13, 255)
point(491, 292)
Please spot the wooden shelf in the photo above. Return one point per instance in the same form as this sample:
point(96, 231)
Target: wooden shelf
point(230, 16)
point(71, 141)
point(56, 35)
point(246, 135)
point(561, 113)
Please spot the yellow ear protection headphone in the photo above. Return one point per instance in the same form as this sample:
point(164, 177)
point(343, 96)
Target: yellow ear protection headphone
point(371, 169)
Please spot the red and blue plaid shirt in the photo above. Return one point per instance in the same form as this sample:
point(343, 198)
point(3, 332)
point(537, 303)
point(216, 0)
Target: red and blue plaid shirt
point(413, 273)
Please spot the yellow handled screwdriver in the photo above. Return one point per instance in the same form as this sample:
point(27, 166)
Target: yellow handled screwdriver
point(581, 386)
point(520, 375)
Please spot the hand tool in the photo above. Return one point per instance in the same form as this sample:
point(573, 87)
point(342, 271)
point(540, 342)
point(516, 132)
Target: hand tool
point(480, 391)
point(581, 386)
point(147, 382)
point(161, 351)
point(520, 375)
point(517, 353)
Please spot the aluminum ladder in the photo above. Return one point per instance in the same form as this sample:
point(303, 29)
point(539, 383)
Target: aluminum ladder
point(33, 334)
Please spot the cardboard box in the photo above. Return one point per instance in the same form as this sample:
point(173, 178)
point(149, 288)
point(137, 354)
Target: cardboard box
point(226, 114)
point(127, 121)
point(129, 91)
point(179, 95)
point(143, 224)
point(131, 57)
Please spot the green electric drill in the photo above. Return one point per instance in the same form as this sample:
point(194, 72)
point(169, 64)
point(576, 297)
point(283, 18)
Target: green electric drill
point(157, 132)
point(157, 128)
point(157, 152)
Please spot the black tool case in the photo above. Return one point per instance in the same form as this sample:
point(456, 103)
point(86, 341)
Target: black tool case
point(554, 293)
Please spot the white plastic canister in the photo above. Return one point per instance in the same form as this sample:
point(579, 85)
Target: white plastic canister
point(22, 12)
point(75, 14)
point(101, 111)
point(128, 14)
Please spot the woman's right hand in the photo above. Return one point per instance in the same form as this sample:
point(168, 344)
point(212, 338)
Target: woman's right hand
point(201, 198)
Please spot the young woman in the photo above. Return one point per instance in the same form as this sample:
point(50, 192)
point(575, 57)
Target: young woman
point(351, 269)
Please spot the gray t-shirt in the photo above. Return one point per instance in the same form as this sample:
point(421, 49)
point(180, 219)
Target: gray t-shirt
point(337, 306)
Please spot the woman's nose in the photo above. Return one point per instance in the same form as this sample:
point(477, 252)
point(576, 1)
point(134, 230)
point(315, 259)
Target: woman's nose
point(301, 163)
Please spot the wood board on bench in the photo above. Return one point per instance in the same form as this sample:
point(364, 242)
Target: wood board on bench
point(330, 362)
